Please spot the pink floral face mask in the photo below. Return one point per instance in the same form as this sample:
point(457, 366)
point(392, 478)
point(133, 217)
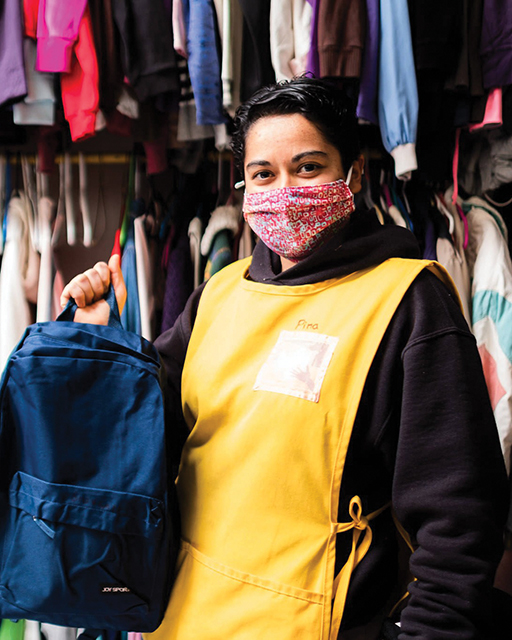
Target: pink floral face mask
point(294, 221)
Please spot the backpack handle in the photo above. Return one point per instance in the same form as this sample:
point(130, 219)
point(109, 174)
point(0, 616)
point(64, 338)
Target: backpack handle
point(114, 319)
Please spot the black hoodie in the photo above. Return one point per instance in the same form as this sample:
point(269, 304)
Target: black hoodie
point(424, 436)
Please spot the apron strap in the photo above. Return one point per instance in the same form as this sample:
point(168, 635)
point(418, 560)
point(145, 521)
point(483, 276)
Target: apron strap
point(360, 525)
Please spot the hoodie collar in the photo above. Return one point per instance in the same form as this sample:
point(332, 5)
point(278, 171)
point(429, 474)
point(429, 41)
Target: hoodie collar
point(363, 243)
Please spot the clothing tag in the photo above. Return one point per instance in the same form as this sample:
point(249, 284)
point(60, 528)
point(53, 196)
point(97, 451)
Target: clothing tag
point(114, 589)
point(297, 364)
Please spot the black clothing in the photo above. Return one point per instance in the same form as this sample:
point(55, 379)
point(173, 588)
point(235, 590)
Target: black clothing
point(147, 52)
point(424, 436)
point(257, 68)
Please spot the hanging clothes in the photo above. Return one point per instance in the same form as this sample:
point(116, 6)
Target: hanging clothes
point(398, 95)
point(130, 317)
point(368, 89)
point(178, 29)
point(257, 69)
point(144, 278)
point(147, 54)
point(217, 240)
point(12, 70)
point(15, 312)
point(57, 31)
point(290, 29)
point(496, 44)
point(38, 106)
point(12, 630)
point(457, 264)
point(230, 22)
point(45, 217)
point(203, 61)
point(313, 65)
point(178, 280)
point(490, 269)
point(195, 229)
point(54, 632)
point(341, 37)
point(80, 87)
point(107, 47)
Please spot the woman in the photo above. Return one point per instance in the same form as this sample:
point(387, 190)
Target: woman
point(332, 394)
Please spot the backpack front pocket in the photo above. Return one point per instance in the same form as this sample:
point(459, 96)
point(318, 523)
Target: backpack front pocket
point(68, 545)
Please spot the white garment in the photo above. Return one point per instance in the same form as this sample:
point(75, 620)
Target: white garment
point(144, 278)
point(195, 229)
point(224, 217)
point(127, 104)
point(45, 216)
point(3, 197)
point(54, 632)
point(29, 257)
point(32, 630)
point(490, 269)
point(230, 22)
point(451, 260)
point(15, 313)
point(460, 272)
point(290, 39)
point(38, 106)
point(178, 29)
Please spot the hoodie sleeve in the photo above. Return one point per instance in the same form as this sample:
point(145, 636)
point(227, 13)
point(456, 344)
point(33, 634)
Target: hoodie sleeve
point(450, 483)
point(57, 30)
point(398, 94)
point(172, 346)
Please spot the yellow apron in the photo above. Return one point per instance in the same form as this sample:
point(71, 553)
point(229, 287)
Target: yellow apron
point(271, 386)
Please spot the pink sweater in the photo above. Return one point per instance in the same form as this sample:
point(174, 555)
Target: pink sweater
point(57, 30)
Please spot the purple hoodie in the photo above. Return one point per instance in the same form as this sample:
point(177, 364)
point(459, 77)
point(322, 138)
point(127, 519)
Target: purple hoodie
point(13, 85)
point(496, 43)
point(313, 63)
point(367, 104)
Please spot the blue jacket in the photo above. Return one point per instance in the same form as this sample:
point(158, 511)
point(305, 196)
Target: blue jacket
point(398, 94)
point(203, 61)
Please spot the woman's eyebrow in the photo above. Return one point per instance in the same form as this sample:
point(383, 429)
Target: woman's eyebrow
point(296, 158)
point(258, 163)
point(302, 155)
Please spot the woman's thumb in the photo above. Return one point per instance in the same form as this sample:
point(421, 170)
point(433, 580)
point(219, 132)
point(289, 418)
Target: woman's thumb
point(116, 276)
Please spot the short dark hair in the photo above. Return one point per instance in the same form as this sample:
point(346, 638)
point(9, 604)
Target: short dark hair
point(330, 109)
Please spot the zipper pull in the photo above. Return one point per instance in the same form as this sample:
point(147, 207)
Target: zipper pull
point(44, 527)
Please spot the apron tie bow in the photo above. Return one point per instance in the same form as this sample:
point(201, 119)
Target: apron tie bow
point(360, 525)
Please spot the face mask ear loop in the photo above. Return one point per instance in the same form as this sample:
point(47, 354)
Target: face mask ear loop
point(349, 175)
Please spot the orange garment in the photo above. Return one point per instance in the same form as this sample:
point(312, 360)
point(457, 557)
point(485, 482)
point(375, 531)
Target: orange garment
point(80, 87)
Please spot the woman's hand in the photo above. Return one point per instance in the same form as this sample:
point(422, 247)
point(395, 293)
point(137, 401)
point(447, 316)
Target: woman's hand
point(89, 288)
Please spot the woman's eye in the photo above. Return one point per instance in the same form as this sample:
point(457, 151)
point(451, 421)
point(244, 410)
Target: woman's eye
point(262, 175)
point(309, 167)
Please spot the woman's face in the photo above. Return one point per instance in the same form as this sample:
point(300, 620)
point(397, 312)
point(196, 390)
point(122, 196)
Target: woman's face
point(288, 150)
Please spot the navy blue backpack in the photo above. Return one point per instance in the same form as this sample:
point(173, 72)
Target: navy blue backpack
point(86, 493)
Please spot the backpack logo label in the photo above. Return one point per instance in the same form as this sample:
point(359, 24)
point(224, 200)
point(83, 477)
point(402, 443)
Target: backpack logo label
point(114, 588)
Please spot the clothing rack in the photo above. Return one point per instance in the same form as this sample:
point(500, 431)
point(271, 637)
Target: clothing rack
point(90, 158)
